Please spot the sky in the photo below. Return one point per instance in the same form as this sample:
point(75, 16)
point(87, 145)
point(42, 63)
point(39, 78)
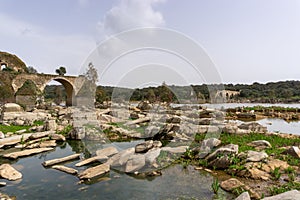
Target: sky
point(247, 41)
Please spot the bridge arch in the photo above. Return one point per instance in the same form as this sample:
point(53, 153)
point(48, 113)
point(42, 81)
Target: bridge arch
point(69, 88)
point(70, 83)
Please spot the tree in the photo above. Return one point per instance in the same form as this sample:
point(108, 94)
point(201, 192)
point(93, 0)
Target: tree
point(61, 71)
point(91, 73)
point(31, 70)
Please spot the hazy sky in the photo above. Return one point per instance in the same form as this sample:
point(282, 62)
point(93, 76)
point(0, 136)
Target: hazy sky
point(248, 40)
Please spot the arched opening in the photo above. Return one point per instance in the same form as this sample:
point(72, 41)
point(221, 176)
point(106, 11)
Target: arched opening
point(3, 66)
point(59, 91)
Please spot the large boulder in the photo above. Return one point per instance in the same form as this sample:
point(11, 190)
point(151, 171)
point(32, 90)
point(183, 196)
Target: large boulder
point(12, 107)
point(135, 162)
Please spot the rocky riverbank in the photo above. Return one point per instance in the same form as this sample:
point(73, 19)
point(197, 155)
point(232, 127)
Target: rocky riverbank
point(244, 158)
point(259, 112)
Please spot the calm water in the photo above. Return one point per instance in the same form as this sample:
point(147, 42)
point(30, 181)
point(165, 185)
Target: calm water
point(41, 183)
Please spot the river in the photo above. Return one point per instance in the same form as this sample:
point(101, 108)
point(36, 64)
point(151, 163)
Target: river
point(38, 182)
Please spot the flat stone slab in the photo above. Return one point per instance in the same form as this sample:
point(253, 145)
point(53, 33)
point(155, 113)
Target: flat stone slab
point(180, 149)
point(65, 169)
point(60, 160)
point(40, 134)
point(49, 143)
point(94, 171)
point(9, 173)
point(14, 139)
point(26, 152)
point(91, 160)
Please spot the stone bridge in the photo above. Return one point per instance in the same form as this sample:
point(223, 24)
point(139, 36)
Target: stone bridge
point(72, 84)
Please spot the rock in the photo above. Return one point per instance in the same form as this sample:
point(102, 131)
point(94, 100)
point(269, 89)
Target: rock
point(138, 121)
point(151, 155)
point(231, 184)
point(94, 171)
point(174, 120)
point(9, 173)
point(43, 144)
point(50, 125)
point(180, 149)
point(244, 196)
point(65, 169)
point(230, 149)
point(8, 141)
point(230, 128)
point(134, 115)
point(275, 163)
point(157, 144)
point(91, 160)
point(252, 172)
point(290, 195)
point(40, 134)
point(208, 129)
point(293, 151)
point(60, 160)
point(57, 137)
point(21, 131)
point(12, 107)
point(135, 162)
point(235, 186)
point(2, 184)
point(144, 147)
point(121, 158)
point(18, 122)
point(260, 144)
point(109, 151)
point(26, 152)
point(222, 162)
point(254, 156)
point(2, 135)
point(143, 105)
point(206, 146)
point(250, 116)
point(150, 131)
point(254, 127)
point(6, 197)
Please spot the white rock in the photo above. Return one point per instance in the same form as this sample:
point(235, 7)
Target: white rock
point(290, 195)
point(12, 107)
point(9, 173)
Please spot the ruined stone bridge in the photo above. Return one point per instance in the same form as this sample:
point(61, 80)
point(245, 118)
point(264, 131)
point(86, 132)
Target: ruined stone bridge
point(72, 84)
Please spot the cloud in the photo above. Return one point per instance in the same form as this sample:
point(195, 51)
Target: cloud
point(40, 48)
point(129, 14)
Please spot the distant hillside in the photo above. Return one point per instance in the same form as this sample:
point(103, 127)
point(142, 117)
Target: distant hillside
point(273, 92)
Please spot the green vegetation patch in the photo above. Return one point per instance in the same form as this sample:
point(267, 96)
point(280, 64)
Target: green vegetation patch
point(12, 128)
